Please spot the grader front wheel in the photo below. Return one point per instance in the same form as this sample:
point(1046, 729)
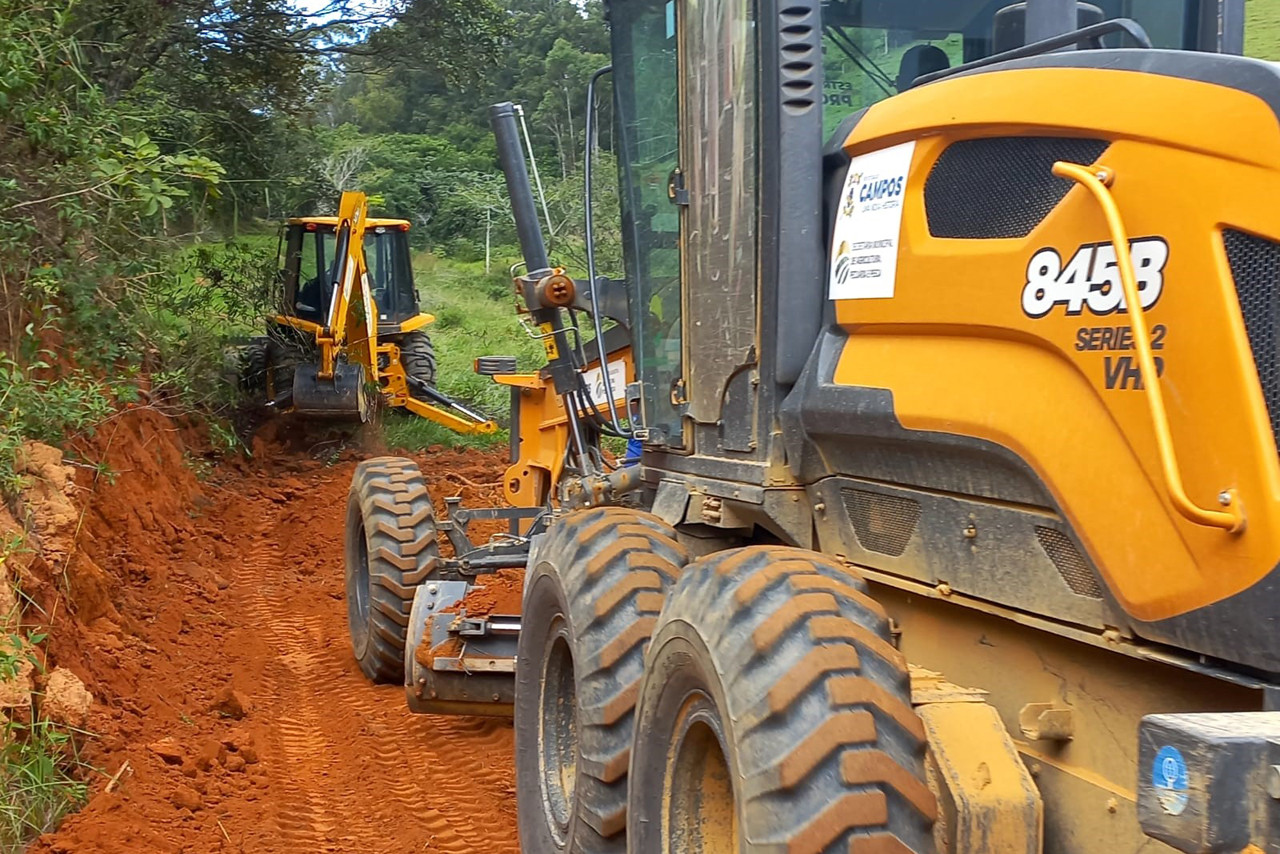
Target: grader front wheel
point(775, 716)
point(390, 549)
point(593, 593)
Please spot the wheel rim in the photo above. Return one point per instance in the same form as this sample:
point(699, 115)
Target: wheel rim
point(558, 737)
point(702, 817)
point(358, 596)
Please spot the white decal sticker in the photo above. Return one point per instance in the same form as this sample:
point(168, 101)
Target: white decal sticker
point(594, 379)
point(864, 249)
point(1091, 279)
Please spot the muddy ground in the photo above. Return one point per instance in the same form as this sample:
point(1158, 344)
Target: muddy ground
point(207, 617)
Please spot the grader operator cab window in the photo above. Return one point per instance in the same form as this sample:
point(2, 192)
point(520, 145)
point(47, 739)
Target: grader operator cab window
point(872, 49)
point(646, 76)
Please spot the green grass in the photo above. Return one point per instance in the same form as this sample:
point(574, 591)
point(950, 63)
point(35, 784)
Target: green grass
point(41, 775)
point(475, 316)
point(39, 782)
point(1262, 29)
point(409, 433)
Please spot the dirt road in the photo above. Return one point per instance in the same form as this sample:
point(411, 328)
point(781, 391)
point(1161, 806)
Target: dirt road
point(226, 683)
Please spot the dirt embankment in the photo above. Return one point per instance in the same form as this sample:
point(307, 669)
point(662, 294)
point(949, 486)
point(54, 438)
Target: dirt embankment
point(208, 620)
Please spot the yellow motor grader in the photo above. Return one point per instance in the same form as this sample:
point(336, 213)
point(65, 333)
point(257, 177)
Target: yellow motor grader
point(953, 335)
point(348, 333)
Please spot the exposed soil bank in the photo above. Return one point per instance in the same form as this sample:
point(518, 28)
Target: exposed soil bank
point(209, 622)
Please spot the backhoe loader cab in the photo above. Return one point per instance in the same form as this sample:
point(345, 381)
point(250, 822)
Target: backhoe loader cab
point(310, 262)
point(348, 334)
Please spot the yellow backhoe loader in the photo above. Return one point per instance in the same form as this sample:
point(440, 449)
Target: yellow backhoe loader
point(349, 332)
point(955, 367)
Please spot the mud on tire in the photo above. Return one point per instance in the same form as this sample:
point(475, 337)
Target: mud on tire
point(594, 590)
point(418, 356)
point(775, 716)
point(390, 549)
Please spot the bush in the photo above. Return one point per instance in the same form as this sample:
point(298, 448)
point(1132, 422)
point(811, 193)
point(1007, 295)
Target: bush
point(464, 249)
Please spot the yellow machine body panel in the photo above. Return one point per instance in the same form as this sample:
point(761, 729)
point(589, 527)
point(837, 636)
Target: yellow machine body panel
point(1020, 341)
point(333, 221)
point(543, 431)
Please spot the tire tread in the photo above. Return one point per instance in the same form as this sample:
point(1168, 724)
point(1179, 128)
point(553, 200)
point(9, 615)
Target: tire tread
point(830, 753)
point(399, 523)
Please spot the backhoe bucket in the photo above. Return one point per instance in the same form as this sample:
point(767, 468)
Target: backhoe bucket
point(343, 396)
point(457, 663)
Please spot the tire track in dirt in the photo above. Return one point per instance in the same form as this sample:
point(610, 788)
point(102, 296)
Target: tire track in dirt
point(300, 814)
point(408, 763)
point(342, 765)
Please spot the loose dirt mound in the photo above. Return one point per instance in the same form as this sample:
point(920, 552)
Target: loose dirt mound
point(208, 621)
point(496, 593)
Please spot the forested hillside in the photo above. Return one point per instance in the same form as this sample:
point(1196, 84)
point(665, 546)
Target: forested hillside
point(148, 152)
point(137, 136)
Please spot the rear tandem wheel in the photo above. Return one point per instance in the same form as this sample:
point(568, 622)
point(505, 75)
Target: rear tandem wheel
point(390, 549)
point(592, 594)
point(775, 716)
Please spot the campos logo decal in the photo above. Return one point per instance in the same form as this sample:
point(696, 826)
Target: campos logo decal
point(851, 194)
point(1091, 279)
point(864, 242)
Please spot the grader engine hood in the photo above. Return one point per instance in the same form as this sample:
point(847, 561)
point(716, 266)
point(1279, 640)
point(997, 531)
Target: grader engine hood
point(979, 310)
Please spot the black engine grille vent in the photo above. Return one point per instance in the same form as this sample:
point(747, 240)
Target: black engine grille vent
point(883, 523)
point(1071, 565)
point(1001, 186)
point(1255, 267)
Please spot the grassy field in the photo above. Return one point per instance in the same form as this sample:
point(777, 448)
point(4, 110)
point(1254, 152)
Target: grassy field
point(475, 316)
point(1262, 29)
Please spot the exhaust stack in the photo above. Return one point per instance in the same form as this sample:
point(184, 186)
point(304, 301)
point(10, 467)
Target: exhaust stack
point(511, 156)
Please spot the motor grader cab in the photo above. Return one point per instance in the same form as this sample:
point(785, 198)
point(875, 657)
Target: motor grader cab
point(958, 391)
point(348, 326)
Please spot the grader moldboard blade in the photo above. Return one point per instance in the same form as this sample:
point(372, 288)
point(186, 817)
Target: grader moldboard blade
point(455, 663)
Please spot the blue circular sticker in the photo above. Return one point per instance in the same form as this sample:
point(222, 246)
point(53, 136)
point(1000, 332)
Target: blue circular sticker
point(1169, 776)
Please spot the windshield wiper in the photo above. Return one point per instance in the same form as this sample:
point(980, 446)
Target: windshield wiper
point(859, 57)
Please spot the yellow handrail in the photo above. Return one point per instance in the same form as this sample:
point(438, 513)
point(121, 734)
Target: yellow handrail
point(1232, 517)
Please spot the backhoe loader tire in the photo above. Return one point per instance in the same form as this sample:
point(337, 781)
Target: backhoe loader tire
point(594, 590)
point(254, 363)
point(775, 716)
point(284, 353)
point(418, 356)
point(391, 548)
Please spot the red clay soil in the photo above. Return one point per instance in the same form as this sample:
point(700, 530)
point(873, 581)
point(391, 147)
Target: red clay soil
point(209, 621)
point(495, 593)
point(450, 647)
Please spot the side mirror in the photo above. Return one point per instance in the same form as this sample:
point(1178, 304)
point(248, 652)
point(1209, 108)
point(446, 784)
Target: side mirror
point(1009, 26)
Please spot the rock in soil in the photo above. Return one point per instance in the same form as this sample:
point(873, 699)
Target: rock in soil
point(66, 700)
point(15, 692)
point(230, 703)
point(168, 750)
point(187, 798)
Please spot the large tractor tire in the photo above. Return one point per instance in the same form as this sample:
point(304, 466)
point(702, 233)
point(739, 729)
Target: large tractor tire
point(593, 592)
point(391, 548)
point(254, 363)
point(775, 716)
point(418, 356)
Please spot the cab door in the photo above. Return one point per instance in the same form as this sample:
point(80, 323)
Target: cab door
point(646, 86)
point(719, 216)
